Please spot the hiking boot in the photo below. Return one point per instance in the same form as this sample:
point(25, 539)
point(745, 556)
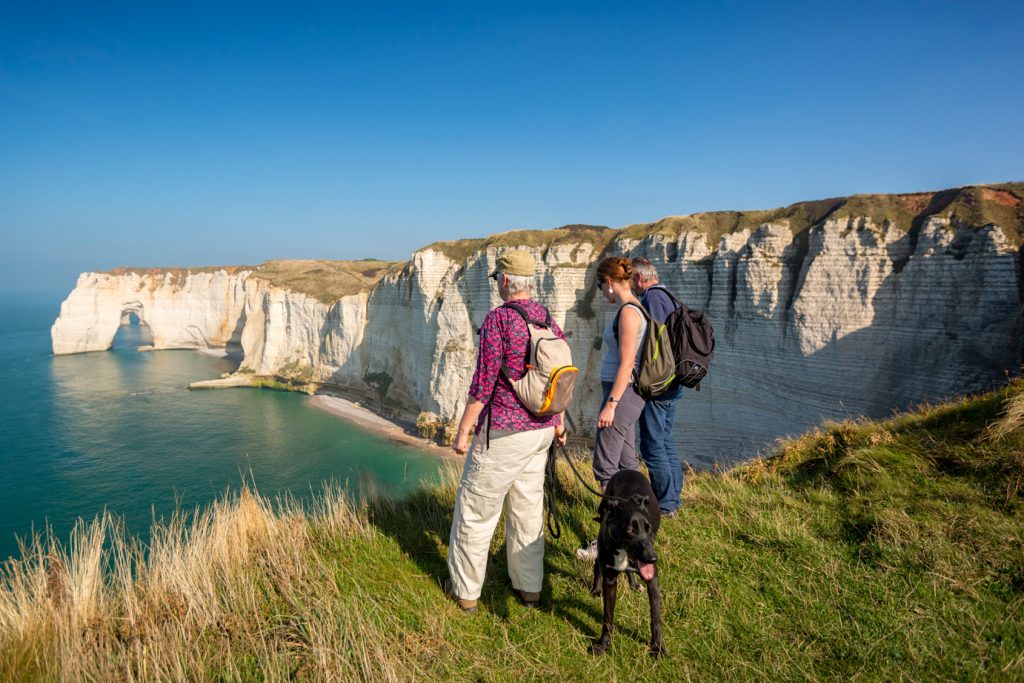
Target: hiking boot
point(670, 515)
point(528, 600)
point(468, 606)
point(588, 552)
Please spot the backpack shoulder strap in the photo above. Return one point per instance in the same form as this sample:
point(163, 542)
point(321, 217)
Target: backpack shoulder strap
point(526, 316)
point(643, 311)
point(546, 324)
point(615, 323)
point(668, 291)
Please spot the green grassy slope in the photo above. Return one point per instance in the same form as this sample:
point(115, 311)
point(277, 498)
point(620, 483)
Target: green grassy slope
point(873, 550)
point(864, 551)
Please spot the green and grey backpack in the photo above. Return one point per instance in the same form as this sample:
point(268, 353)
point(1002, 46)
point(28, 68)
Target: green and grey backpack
point(657, 368)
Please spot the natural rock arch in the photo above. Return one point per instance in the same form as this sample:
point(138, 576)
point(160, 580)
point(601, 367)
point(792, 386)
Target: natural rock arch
point(133, 308)
point(134, 330)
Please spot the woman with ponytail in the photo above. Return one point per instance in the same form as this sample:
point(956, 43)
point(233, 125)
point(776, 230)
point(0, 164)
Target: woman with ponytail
point(620, 406)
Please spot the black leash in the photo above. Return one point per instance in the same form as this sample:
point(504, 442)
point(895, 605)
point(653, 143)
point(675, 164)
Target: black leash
point(550, 499)
point(550, 481)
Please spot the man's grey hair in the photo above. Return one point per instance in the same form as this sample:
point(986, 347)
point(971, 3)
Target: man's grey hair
point(646, 269)
point(520, 284)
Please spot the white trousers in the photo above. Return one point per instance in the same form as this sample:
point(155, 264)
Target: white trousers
point(511, 471)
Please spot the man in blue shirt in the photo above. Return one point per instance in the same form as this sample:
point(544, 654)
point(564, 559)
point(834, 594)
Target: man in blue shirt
point(657, 445)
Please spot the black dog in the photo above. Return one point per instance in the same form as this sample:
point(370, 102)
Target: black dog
point(629, 517)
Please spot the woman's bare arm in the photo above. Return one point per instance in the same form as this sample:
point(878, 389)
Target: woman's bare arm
point(629, 327)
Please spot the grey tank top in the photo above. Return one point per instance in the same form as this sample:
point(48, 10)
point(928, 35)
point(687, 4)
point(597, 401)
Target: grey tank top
point(610, 360)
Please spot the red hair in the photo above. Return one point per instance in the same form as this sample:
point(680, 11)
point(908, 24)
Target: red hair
point(615, 268)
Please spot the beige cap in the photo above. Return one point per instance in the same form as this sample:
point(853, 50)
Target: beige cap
point(516, 262)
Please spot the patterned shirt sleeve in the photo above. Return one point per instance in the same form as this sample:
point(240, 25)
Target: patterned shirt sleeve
point(488, 360)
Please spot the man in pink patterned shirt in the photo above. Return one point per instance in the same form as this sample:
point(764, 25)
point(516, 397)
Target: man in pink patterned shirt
point(505, 464)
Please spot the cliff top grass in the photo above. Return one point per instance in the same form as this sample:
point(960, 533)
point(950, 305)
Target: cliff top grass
point(974, 206)
point(175, 276)
point(460, 250)
point(177, 271)
point(862, 551)
point(326, 281)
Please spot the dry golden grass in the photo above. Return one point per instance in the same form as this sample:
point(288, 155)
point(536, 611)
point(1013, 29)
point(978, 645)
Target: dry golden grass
point(213, 594)
point(177, 271)
point(973, 206)
point(1011, 421)
point(326, 281)
point(596, 235)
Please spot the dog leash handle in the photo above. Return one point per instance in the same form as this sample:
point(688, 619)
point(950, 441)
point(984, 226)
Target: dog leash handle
point(554, 528)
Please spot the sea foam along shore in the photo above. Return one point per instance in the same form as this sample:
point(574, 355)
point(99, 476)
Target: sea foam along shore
point(355, 413)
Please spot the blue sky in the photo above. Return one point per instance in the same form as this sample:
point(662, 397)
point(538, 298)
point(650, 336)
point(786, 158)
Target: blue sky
point(211, 133)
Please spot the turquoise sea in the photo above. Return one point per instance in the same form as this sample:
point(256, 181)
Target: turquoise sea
point(120, 430)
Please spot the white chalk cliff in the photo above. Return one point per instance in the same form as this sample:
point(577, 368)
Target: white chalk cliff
point(184, 309)
point(822, 310)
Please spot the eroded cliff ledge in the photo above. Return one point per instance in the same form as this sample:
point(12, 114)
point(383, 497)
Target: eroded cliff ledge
point(824, 309)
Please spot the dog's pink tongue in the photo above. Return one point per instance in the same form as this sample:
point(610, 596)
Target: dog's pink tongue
point(646, 570)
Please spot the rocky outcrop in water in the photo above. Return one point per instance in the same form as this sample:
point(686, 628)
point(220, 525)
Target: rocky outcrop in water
point(822, 310)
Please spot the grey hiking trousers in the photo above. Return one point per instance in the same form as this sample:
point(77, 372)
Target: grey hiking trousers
point(615, 446)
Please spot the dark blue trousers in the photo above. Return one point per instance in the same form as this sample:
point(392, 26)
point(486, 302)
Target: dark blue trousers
point(658, 448)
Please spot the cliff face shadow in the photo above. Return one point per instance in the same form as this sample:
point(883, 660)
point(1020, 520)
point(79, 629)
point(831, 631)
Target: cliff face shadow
point(946, 322)
point(234, 352)
point(943, 325)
